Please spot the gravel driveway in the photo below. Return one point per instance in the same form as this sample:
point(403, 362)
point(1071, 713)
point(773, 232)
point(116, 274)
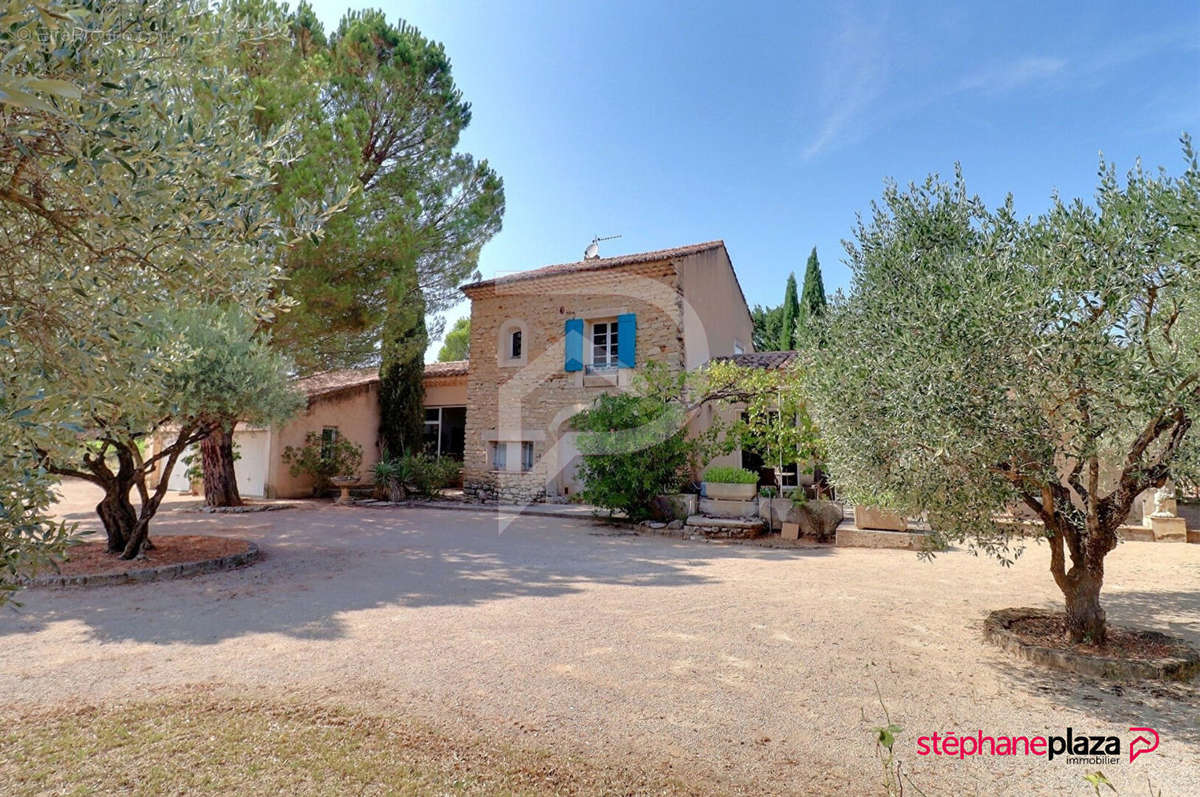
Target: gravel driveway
point(749, 666)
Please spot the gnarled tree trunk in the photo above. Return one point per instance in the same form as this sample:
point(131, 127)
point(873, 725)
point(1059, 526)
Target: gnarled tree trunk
point(117, 514)
point(1085, 617)
point(220, 478)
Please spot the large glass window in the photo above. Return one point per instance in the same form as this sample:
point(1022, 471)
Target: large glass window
point(604, 344)
point(445, 431)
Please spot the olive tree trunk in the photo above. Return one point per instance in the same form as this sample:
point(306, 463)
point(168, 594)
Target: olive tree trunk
point(220, 478)
point(117, 514)
point(1086, 620)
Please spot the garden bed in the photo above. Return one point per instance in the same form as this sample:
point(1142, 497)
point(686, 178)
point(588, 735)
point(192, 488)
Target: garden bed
point(173, 556)
point(1040, 636)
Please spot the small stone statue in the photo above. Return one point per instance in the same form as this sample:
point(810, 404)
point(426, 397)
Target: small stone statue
point(1164, 501)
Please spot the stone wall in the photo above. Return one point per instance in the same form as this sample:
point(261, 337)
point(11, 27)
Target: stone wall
point(533, 399)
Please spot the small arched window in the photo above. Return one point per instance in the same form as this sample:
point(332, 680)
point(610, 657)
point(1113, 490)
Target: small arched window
point(511, 342)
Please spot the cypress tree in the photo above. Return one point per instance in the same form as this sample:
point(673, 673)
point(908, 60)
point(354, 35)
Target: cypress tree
point(402, 370)
point(791, 314)
point(812, 300)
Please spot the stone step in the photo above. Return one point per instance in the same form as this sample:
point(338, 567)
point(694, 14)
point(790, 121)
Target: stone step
point(725, 526)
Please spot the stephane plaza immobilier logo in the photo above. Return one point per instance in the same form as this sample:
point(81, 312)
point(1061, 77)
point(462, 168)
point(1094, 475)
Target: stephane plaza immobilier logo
point(1073, 748)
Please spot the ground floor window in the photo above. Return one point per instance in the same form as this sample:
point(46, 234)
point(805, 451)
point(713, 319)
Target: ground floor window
point(526, 456)
point(329, 436)
point(445, 431)
point(499, 456)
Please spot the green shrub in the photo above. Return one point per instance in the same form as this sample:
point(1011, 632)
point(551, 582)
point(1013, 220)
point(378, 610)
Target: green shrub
point(390, 478)
point(726, 474)
point(323, 459)
point(418, 473)
point(634, 449)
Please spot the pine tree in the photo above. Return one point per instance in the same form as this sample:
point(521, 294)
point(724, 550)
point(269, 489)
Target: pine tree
point(812, 300)
point(457, 343)
point(791, 314)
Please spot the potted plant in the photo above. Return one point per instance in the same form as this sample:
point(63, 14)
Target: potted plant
point(725, 483)
point(327, 462)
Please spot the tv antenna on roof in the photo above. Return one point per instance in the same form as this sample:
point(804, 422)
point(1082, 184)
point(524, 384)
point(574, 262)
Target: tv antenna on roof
point(593, 250)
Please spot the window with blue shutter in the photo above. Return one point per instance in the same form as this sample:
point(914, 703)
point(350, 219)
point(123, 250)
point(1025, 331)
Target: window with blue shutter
point(573, 345)
point(626, 340)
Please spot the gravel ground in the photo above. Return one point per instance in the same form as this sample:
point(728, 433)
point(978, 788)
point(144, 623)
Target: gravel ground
point(749, 667)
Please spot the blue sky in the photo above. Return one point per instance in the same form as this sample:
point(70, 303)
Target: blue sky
point(771, 125)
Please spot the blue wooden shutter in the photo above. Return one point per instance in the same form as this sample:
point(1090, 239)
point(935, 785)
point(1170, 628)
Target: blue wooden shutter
point(626, 340)
point(574, 344)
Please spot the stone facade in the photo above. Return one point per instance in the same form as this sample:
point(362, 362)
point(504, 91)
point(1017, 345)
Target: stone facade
point(528, 400)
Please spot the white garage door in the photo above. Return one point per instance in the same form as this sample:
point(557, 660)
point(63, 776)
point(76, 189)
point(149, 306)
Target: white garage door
point(178, 480)
point(253, 447)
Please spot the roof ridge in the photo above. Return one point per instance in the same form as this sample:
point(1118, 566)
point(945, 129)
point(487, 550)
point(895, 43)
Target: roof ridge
point(597, 263)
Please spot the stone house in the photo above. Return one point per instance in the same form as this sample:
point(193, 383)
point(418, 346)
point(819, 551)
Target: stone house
point(544, 344)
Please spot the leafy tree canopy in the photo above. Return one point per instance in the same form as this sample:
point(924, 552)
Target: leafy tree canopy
point(457, 343)
point(982, 362)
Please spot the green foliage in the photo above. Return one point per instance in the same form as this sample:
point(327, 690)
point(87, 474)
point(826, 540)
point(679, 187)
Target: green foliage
point(383, 116)
point(402, 372)
point(768, 321)
point(981, 362)
point(423, 474)
point(790, 316)
point(634, 448)
point(727, 474)
point(771, 409)
point(134, 184)
point(812, 299)
point(457, 345)
point(323, 460)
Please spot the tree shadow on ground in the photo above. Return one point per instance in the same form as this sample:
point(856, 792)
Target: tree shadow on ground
point(319, 565)
point(1170, 707)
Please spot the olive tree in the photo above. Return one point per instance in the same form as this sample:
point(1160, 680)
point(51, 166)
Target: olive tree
point(981, 362)
point(132, 181)
point(192, 367)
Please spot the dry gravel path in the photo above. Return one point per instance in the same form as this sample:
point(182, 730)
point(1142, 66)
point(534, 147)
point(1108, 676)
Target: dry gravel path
point(747, 667)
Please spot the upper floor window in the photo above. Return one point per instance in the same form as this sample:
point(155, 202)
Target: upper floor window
point(512, 342)
point(604, 344)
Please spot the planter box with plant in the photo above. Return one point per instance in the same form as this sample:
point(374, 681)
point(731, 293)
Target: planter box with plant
point(324, 460)
point(725, 483)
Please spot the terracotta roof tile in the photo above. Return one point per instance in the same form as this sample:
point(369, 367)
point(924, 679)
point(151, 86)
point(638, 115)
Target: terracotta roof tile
point(452, 368)
point(336, 380)
point(597, 264)
point(339, 379)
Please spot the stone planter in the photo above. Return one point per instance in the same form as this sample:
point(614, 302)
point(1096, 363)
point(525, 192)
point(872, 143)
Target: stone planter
point(776, 511)
point(720, 491)
point(676, 506)
point(872, 517)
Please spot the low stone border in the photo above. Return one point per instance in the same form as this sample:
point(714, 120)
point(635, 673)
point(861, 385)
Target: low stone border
point(997, 630)
point(162, 573)
point(849, 536)
point(238, 510)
